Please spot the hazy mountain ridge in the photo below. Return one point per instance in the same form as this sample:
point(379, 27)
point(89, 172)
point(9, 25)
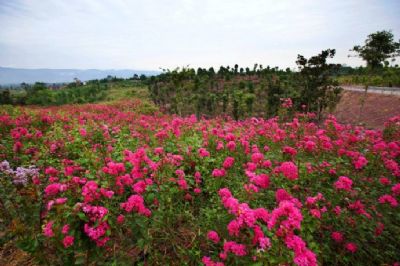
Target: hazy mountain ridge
point(18, 75)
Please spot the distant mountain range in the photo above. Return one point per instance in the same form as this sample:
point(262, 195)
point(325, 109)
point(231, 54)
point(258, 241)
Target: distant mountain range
point(9, 76)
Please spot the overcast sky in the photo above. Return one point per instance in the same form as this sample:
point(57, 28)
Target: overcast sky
point(151, 34)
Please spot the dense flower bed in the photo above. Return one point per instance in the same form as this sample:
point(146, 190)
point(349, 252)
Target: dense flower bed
point(108, 184)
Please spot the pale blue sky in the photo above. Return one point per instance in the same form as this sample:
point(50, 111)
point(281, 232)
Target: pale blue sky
point(169, 33)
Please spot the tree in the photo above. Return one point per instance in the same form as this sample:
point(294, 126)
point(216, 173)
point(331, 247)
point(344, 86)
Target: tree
point(318, 89)
point(5, 97)
point(379, 47)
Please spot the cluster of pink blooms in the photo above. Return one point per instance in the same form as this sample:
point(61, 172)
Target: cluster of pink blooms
point(286, 102)
point(388, 199)
point(289, 170)
point(136, 203)
point(344, 183)
point(228, 163)
point(285, 219)
point(97, 232)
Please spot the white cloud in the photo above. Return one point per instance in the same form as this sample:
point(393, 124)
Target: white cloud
point(170, 33)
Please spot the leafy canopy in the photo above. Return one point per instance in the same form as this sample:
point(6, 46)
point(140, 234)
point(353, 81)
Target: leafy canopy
point(379, 47)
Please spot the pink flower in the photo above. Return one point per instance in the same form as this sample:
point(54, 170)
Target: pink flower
point(182, 184)
point(218, 173)
point(213, 236)
point(360, 162)
point(203, 152)
point(384, 181)
point(344, 183)
point(136, 202)
point(68, 241)
point(159, 150)
point(60, 201)
point(289, 150)
point(233, 228)
point(65, 229)
point(261, 180)
point(396, 189)
point(197, 190)
point(337, 236)
point(54, 189)
point(228, 163)
point(120, 219)
point(47, 230)
point(139, 187)
point(220, 146)
point(302, 255)
point(309, 146)
point(231, 145)
point(208, 262)
point(289, 170)
point(316, 213)
point(352, 247)
point(235, 248)
point(388, 199)
point(83, 132)
point(257, 157)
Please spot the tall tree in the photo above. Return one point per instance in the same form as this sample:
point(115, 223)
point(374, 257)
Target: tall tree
point(318, 89)
point(378, 48)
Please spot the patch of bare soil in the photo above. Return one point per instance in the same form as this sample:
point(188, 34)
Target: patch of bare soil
point(370, 110)
point(10, 255)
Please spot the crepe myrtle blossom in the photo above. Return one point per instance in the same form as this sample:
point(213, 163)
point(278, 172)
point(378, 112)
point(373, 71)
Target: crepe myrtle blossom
point(207, 261)
point(68, 241)
point(54, 189)
point(396, 189)
point(337, 236)
point(213, 236)
point(48, 229)
point(203, 152)
point(228, 162)
point(351, 247)
point(136, 203)
point(235, 248)
point(343, 183)
point(65, 229)
point(388, 199)
point(360, 162)
point(302, 255)
point(289, 170)
point(218, 172)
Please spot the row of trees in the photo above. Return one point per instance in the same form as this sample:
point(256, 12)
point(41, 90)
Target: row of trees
point(241, 92)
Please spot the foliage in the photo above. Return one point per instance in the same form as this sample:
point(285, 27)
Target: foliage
point(385, 76)
point(318, 89)
point(240, 93)
point(378, 47)
point(92, 91)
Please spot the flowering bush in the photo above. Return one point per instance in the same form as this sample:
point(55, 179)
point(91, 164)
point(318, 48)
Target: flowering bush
point(108, 184)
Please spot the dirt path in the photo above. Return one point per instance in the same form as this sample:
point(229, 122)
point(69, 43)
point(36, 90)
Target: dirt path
point(373, 89)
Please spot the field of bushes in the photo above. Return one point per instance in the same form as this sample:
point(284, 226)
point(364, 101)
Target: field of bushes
point(124, 184)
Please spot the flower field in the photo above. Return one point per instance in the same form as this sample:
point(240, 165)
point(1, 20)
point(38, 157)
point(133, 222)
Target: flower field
point(120, 184)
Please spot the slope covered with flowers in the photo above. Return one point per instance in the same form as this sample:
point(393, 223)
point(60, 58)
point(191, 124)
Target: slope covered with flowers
point(112, 185)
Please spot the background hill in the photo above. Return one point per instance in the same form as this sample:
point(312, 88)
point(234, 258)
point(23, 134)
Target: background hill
point(19, 75)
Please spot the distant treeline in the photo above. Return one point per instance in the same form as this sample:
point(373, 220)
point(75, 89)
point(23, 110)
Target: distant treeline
point(76, 92)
